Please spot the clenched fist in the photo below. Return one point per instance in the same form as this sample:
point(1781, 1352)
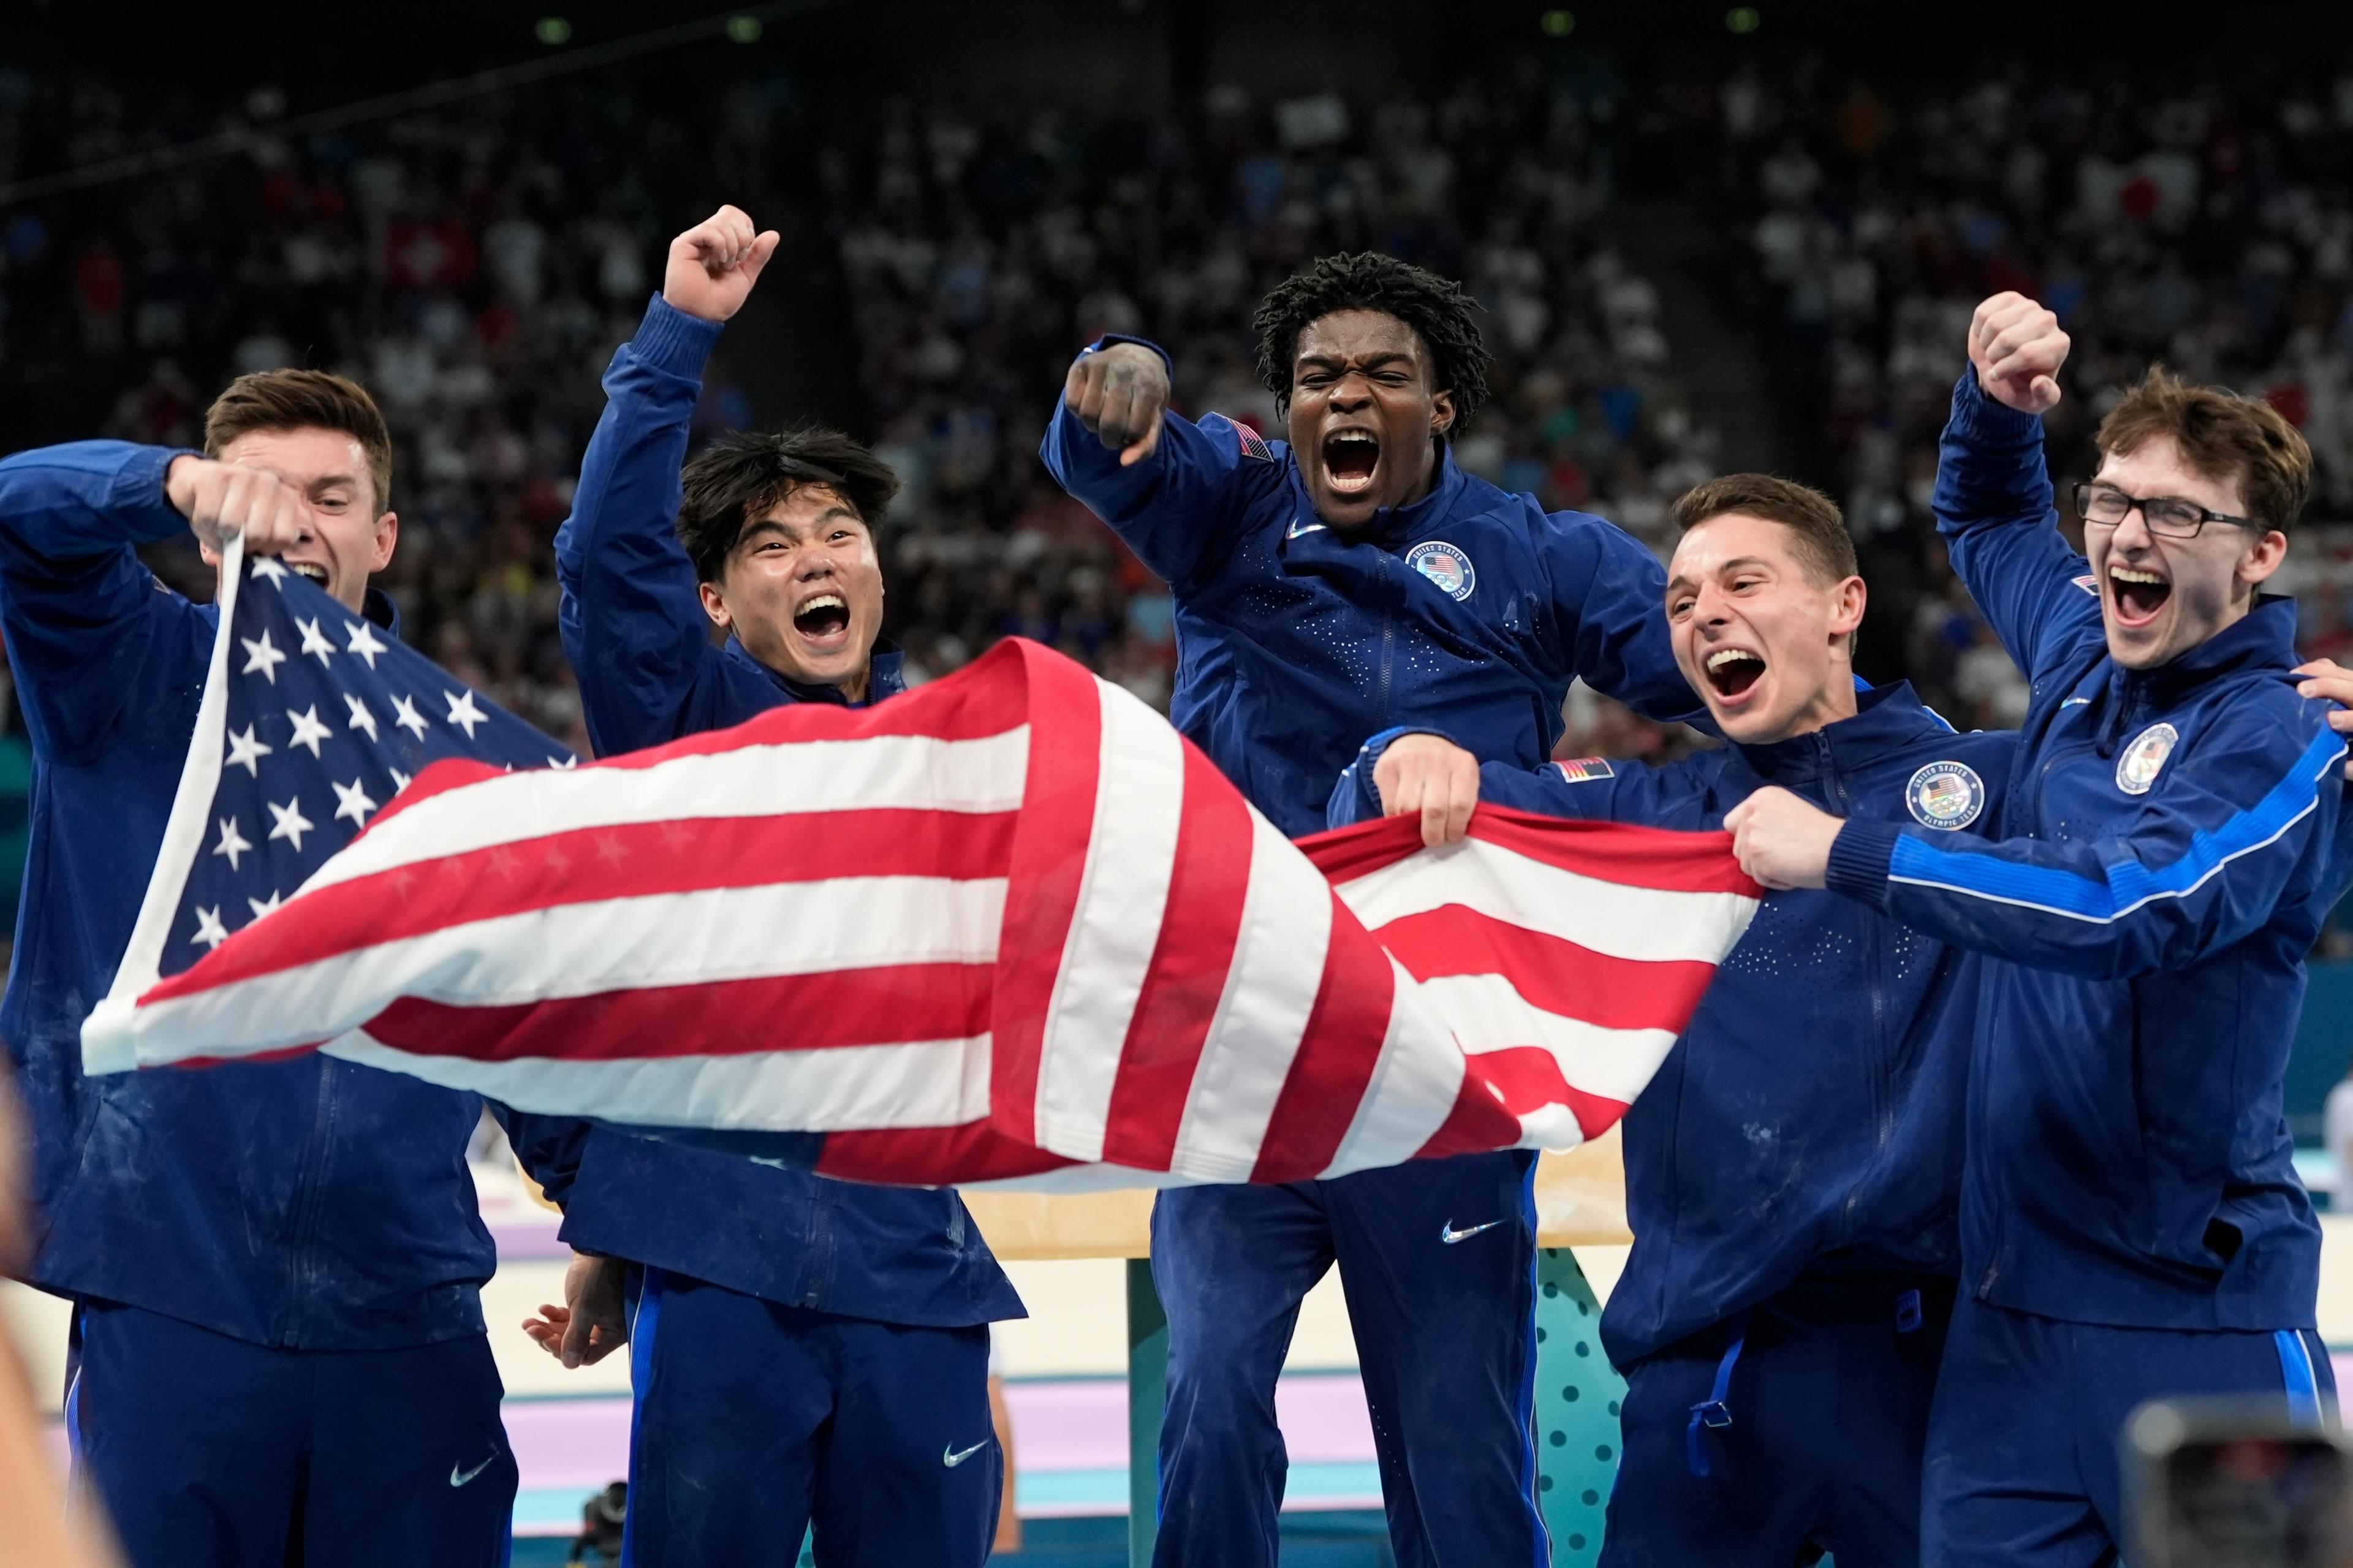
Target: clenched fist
point(712, 266)
point(1430, 777)
point(1120, 393)
point(2018, 348)
point(221, 501)
point(1782, 841)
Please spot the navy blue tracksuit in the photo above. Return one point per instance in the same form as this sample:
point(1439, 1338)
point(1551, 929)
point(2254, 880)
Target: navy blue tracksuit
point(2131, 1221)
point(265, 1255)
point(1467, 611)
point(803, 1350)
point(1793, 1172)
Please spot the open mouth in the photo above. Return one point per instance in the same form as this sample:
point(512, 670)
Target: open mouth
point(311, 569)
point(1734, 671)
point(824, 619)
point(2137, 595)
point(1350, 457)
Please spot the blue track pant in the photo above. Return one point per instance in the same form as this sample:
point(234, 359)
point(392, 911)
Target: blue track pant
point(1437, 1258)
point(209, 1452)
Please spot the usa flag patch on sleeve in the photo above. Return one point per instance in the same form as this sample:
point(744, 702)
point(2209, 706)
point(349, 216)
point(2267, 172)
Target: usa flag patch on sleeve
point(1251, 445)
point(1578, 770)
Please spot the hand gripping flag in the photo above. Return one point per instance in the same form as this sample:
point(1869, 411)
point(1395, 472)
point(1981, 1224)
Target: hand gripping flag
point(1008, 926)
point(313, 718)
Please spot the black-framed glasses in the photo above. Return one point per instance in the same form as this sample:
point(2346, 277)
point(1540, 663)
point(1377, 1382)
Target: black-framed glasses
point(2169, 515)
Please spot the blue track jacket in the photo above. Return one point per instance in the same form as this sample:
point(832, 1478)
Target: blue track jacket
point(2164, 864)
point(635, 631)
point(1809, 1121)
point(310, 1203)
point(1469, 611)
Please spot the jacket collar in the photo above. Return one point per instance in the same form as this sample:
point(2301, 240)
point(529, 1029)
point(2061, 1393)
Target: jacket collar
point(1392, 524)
point(378, 608)
point(888, 676)
point(2263, 636)
point(1887, 719)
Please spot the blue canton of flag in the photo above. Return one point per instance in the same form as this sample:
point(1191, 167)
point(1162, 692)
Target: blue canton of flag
point(326, 717)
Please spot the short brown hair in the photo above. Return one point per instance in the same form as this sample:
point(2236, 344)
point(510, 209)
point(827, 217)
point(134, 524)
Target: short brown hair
point(2221, 435)
point(1824, 542)
point(303, 400)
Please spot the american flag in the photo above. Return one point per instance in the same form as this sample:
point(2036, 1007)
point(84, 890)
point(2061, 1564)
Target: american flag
point(312, 720)
point(1010, 927)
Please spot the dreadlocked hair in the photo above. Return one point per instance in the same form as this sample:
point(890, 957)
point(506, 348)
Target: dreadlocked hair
point(1440, 311)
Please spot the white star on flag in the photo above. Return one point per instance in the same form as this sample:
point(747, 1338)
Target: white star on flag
point(314, 641)
point(359, 718)
point(399, 780)
point(291, 824)
point(562, 762)
point(261, 656)
point(264, 566)
point(363, 641)
point(352, 801)
point(245, 752)
point(405, 714)
point(261, 907)
point(308, 730)
point(232, 842)
point(463, 713)
point(209, 930)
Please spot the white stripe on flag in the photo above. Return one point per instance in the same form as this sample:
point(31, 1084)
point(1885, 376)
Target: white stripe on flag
point(924, 1083)
point(581, 950)
point(910, 772)
point(1123, 897)
point(1487, 1014)
point(1413, 1084)
point(1286, 926)
point(1608, 918)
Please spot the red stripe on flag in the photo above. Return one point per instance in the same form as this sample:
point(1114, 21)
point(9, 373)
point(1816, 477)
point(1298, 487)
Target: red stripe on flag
point(1525, 1078)
point(981, 700)
point(1477, 1123)
point(1552, 973)
point(932, 1156)
point(896, 1004)
point(1049, 860)
point(1187, 979)
point(591, 864)
point(1336, 1055)
point(1664, 859)
point(1661, 858)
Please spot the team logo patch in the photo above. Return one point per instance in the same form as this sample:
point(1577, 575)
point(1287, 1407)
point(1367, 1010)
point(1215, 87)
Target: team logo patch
point(1578, 770)
point(2089, 584)
point(1444, 565)
point(2138, 768)
point(1946, 794)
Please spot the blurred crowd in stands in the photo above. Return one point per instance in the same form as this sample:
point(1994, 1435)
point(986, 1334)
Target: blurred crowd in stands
point(476, 266)
point(2205, 222)
point(475, 270)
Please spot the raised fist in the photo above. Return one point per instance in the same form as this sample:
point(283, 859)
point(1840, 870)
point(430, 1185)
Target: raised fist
point(1120, 393)
point(712, 266)
point(221, 500)
point(2018, 348)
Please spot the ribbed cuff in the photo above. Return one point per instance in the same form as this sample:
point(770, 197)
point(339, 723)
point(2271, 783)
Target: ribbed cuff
point(139, 502)
point(1108, 339)
point(669, 339)
point(1859, 861)
point(1986, 423)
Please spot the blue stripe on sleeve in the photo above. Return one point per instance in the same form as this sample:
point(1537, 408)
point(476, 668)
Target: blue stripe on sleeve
point(2129, 886)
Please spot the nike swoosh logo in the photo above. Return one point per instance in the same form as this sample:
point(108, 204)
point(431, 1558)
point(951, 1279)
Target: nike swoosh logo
point(1449, 1236)
point(1299, 528)
point(951, 1459)
point(458, 1477)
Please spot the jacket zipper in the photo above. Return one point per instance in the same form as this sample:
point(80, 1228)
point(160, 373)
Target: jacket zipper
point(1882, 1115)
point(1389, 640)
point(309, 1187)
